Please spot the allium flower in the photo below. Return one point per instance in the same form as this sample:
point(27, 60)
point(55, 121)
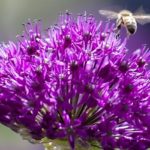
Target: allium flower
point(76, 83)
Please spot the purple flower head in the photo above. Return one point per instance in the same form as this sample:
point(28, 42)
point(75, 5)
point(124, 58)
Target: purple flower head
point(76, 82)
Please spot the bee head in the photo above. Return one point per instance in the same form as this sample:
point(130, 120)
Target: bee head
point(131, 29)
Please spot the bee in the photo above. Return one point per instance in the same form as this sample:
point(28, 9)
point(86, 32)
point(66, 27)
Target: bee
point(126, 19)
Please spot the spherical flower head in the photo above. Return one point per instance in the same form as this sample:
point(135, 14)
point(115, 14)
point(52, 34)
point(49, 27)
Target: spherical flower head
point(76, 83)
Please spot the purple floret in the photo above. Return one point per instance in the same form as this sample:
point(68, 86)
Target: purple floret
point(76, 82)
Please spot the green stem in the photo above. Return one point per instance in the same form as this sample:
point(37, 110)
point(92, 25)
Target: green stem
point(64, 145)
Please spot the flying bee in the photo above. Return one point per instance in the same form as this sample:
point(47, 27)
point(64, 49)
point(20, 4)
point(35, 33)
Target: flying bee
point(127, 19)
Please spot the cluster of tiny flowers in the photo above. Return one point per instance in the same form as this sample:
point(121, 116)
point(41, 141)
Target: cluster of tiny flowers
point(76, 82)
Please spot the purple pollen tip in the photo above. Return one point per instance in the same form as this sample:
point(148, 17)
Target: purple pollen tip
point(141, 63)
point(87, 36)
point(67, 41)
point(124, 67)
point(128, 88)
point(74, 66)
point(31, 50)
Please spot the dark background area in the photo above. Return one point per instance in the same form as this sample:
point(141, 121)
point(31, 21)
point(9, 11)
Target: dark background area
point(15, 12)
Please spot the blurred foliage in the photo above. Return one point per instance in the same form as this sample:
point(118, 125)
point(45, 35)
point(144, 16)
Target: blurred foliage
point(13, 141)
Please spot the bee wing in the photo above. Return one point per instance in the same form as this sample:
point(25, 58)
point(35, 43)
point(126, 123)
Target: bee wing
point(142, 19)
point(109, 14)
point(141, 16)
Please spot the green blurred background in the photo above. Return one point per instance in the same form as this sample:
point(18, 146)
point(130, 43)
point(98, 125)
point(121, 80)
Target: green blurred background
point(15, 12)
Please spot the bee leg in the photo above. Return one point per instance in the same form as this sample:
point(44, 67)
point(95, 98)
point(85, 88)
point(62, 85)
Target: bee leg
point(118, 27)
point(117, 31)
point(118, 34)
point(128, 35)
